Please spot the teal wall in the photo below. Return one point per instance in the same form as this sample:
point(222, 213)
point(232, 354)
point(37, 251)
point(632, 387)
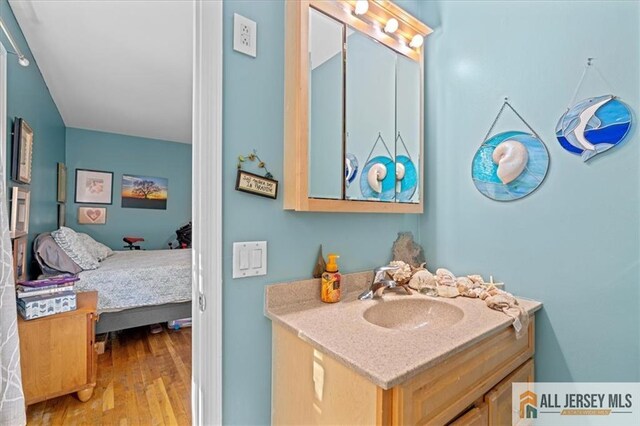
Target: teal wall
point(574, 243)
point(253, 118)
point(87, 149)
point(28, 97)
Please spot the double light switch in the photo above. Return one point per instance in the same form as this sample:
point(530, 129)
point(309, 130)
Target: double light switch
point(249, 259)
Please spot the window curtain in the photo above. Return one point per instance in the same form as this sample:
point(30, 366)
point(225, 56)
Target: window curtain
point(12, 408)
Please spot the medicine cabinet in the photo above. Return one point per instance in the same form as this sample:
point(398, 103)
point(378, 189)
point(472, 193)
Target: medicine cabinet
point(353, 107)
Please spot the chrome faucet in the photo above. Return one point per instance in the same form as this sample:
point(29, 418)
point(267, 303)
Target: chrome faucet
point(380, 283)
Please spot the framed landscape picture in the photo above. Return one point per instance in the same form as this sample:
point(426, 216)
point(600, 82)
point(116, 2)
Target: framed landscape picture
point(145, 192)
point(22, 151)
point(92, 215)
point(20, 205)
point(94, 186)
point(62, 183)
point(19, 259)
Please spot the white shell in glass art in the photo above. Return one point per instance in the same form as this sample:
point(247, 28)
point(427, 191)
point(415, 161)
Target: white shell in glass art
point(376, 175)
point(510, 175)
point(511, 157)
point(400, 171)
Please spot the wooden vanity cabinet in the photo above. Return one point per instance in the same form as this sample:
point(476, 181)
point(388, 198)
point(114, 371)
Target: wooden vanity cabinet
point(472, 387)
point(57, 353)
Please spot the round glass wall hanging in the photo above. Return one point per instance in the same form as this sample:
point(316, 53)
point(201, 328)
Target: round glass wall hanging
point(593, 126)
point(407, 177)
point(378, 179)
point(510, 165)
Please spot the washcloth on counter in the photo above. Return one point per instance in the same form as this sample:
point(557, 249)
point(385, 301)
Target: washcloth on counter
point(499, 300)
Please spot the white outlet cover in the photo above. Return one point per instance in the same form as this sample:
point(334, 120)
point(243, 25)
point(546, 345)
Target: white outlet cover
point(245, 35)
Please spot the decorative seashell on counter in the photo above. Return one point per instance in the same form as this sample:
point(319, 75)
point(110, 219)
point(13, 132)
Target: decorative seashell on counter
point(511, 157)
point(402, 275)
point(422, 279)
point(445, 277)
point(447, 291)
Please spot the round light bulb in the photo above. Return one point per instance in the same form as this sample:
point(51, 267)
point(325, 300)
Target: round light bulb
point(392, 26)
point(416, 41)
point(362, 6)
point(22, 60)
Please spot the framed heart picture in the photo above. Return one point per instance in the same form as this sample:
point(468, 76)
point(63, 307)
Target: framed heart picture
point(92, 215)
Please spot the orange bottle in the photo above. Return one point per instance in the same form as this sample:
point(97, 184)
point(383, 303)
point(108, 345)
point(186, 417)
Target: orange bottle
point(330, 291)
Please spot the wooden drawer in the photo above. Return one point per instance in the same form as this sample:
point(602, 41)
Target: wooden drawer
point(439, 394)
point(477, 416)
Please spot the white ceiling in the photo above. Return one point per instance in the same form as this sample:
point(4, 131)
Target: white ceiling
point(115, 66)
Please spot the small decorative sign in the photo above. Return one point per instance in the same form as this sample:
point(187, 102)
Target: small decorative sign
point(254, 184)
point(258, 185)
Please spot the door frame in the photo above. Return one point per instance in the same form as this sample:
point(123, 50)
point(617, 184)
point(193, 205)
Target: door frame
point(206, 382)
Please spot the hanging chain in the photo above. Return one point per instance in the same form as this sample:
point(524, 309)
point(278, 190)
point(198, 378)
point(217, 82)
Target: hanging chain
point(504, 105)
point(587, 67)
point(404, 145)
point(379, 138)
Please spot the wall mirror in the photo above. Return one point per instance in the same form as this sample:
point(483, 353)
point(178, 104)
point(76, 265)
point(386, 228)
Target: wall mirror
point(353, 107)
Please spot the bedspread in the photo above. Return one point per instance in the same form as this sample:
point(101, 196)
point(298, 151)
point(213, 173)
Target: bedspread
point(134, 278)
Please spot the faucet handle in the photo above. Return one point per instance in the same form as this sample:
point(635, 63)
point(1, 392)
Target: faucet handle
point(385, 268)
point(379, 272)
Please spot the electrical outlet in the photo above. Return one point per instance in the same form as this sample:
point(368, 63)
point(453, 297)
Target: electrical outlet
point(245, 35)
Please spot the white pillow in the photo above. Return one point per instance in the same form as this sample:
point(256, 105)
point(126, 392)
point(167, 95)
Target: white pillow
point(96, 249)
point(70, 243)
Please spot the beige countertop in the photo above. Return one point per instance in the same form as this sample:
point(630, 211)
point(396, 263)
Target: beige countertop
point(385, 356)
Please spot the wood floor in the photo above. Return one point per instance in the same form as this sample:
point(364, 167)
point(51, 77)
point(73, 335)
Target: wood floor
point(143, 379)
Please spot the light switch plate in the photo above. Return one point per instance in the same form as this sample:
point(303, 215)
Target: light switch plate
point(249, 259)
point(245, 35)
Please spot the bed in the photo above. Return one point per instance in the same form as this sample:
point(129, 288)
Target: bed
point(135, 287)
point(140, 287)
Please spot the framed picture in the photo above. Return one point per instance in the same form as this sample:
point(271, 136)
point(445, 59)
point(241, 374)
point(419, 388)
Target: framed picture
point(20, 259)
point(145, 192)
point(22, 151)
point(62, 210)
point(94, 187)
point(62, 183)
point(20, 204)
point(92, 215)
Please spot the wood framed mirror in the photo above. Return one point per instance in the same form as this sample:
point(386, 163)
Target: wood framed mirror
point(353, 107)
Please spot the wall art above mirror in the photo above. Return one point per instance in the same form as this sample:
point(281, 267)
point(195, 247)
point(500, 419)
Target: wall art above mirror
point(353, 107)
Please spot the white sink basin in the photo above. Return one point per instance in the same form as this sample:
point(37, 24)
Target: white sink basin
point(410, 314)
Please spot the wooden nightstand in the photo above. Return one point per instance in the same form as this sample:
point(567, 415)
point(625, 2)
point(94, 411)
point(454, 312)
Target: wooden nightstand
point(57, 352)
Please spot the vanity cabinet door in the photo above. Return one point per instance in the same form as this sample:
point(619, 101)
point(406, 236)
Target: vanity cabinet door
point(499, 398)
point(477, 416)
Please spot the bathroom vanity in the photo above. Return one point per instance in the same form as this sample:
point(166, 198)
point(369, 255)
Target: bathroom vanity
point(402, 359)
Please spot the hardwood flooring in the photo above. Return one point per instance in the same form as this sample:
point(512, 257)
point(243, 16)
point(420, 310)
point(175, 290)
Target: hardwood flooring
point(143, 379)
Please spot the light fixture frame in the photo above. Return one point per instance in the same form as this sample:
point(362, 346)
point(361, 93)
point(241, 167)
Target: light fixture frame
point(380, 12)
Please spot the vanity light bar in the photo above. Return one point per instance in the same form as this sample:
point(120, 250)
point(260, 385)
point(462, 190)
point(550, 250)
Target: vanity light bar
point(396, 23)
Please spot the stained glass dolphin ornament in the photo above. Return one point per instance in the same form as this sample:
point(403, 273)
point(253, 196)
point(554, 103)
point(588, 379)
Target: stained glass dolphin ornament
point(573, 123)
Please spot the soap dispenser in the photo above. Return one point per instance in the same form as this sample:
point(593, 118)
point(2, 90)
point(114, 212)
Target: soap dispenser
point(330, 291)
